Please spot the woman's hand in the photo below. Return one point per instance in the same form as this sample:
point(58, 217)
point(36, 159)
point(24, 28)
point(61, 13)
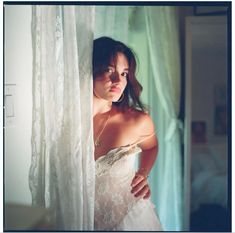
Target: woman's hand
point(140, 187)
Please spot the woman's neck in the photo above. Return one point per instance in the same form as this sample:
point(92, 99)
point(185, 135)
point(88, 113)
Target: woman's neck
point(100, 106)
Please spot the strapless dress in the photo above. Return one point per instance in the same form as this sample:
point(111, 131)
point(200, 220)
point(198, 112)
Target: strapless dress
point(116, 208)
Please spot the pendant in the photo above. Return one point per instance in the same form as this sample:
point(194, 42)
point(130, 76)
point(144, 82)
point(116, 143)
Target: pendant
point(97, 143)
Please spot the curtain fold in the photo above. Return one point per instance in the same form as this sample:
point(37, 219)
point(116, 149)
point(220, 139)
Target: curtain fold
point(164, 58)
point(62, 169)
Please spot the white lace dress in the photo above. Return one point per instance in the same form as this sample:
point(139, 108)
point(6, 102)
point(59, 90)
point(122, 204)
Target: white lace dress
point(116, 208)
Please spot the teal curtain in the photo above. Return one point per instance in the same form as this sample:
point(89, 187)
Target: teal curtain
point(112, 21)
point(163, 42)
point(152, 32)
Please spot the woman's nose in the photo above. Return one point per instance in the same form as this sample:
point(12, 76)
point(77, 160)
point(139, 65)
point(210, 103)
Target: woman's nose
point(116, 77)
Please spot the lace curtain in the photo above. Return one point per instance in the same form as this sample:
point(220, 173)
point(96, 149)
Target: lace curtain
point(62, 169)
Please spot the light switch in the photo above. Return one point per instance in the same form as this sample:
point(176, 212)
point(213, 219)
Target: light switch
point(9, 106)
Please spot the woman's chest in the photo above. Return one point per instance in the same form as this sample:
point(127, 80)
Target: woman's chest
point(117, 163)
point(113, 136)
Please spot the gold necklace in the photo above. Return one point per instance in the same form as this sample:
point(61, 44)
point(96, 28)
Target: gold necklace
point(98, 141)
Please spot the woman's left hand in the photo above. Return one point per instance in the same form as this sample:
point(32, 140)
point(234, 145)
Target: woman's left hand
point(140, 187)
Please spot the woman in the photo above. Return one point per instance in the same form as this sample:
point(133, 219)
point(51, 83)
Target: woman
point(122, 130)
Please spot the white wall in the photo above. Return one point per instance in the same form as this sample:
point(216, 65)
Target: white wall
point(18, 71)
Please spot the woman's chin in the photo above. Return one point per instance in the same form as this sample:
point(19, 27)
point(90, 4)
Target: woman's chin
point(115, 100)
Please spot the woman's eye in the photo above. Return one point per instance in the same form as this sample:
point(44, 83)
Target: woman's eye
point(125, 74)
point(109, 70)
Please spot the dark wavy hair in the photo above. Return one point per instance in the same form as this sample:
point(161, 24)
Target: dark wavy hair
point(105, 50)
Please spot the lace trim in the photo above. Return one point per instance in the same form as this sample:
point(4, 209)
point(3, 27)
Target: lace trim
point(112, 157)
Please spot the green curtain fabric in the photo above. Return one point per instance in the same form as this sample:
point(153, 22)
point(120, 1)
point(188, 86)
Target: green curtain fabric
point(152, 32)
point(163, 42)
point(112, 21)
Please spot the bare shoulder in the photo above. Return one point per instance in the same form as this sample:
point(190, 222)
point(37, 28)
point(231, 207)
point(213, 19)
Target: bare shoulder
point(144, 128)
point(135, 126)
point(142, 121)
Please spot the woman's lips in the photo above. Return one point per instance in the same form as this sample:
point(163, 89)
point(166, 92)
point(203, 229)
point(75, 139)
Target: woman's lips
point(115, 89)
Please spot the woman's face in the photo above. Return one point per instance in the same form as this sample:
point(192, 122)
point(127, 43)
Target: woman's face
point(111, 84)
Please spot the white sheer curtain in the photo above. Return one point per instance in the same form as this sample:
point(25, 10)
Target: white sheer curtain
point(163, 42)
point(62, 168)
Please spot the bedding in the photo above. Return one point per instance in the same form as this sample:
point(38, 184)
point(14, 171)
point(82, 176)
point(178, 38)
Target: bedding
point(209, 175)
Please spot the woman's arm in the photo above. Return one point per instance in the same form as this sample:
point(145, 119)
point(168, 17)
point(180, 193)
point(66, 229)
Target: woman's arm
point(148, 156)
